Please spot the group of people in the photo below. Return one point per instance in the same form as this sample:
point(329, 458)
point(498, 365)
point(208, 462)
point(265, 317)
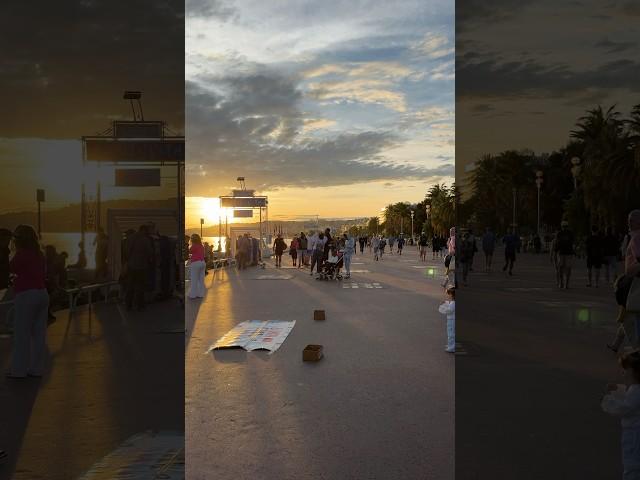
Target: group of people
point(317, 250)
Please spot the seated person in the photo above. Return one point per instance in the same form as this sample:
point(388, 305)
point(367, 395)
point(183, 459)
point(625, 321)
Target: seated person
point(333, 256)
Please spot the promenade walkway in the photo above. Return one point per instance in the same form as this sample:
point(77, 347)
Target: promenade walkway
point(113, 376)
point(379, 405)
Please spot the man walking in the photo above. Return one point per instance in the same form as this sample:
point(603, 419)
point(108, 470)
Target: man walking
point(564, 246)
point(488, 246)
point(510, 241)
point(138, 262)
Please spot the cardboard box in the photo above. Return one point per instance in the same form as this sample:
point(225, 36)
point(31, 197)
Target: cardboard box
point(312, 353)
point(318, 315)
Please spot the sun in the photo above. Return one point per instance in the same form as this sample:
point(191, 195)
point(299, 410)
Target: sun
point(210, 209)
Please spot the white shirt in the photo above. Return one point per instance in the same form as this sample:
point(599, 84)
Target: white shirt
point(448, 308)
point(624, 403)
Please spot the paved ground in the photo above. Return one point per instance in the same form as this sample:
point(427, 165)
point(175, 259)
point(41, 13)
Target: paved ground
point(378, 406)
point(112, 376)
point(527, 398)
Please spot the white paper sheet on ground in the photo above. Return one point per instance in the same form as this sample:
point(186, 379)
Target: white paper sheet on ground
point(256, 335)
point(145, 455)
point(273, 277)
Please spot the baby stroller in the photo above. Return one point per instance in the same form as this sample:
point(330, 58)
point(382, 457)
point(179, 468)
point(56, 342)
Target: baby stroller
point(331, 270)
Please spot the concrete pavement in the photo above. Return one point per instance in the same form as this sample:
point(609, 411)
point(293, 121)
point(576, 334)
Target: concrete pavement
point(380, 405)
point(528, 396)
point(112, 375)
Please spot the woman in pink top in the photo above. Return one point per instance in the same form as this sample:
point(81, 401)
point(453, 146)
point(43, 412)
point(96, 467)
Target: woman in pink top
point(31, 305)
point(632, 259)
point(196, 289)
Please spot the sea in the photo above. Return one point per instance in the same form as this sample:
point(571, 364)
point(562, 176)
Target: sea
point(68, 242)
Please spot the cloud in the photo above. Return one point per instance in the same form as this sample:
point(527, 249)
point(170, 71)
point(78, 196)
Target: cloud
point(369, 91)
point(615, 47)
point(488, 76)
point(311, 124)
point(237, 129)
point(66, 79)
point(434, 46)
point(210, 9)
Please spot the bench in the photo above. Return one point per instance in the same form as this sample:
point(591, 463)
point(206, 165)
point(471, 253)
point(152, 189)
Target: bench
point(73, 294)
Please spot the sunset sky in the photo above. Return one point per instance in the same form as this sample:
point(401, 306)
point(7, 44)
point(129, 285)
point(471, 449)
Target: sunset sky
point(561, 58)
point(333, 108)
point(65, 79)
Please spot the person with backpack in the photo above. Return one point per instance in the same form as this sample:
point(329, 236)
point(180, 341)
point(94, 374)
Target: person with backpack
point(279, 246)
point(565, 251)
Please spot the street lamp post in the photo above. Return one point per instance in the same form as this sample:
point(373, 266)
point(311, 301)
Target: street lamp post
point(539, 182)
point(412, 213)
point(201, 224)
point(428, 209)
point(514, 207)
point(39, 199)
point(575, 170)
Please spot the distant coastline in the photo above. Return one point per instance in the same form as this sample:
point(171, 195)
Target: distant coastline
point(67, 219)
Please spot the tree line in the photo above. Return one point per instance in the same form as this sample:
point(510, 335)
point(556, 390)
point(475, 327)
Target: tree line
point(593, 180)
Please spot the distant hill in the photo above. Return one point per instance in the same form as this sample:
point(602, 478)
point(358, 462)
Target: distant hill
point(288, 227)
point(67, 219)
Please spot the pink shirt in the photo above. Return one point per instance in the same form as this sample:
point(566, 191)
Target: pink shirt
point(30, 269)
point(633, 250)
point(197, 252)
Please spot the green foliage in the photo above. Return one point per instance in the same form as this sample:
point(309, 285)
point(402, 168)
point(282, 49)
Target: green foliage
point(608, 180)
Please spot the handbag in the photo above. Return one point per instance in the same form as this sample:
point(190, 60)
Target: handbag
point(633, 298)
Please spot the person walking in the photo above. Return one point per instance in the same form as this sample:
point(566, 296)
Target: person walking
point(422, 245)
point(472, 239)
point(101, 244)
point(293, 250)
point(632, 263)
point(302, 249)
point(466, 256)
point(328, 244)
point(611, 248)
point(375, 243)
point(318, 253)
point(623, 401)
point(139, 259)
point(565, 250)
point(279, 246)
point(448, 308)
point(595, 254)
point(5, 253)
point(31, 304)
point(198, 264)
point(362, 241)
point(349, 249)
point(488, 247)
point(382, 246)
point(510, 242)
point(401, 242)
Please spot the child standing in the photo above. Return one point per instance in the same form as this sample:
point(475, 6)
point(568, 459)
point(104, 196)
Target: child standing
point(448, 308)
point(624, 402)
